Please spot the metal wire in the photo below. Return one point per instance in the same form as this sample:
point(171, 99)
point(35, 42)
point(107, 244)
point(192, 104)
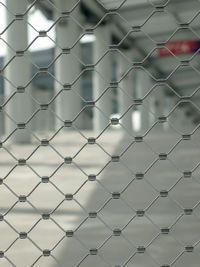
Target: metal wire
point(59, 218)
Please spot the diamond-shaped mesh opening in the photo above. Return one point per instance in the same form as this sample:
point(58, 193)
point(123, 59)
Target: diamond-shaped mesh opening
point(112, 206)
point(163, 174)
point(186, 259)
point(117, 258)
point(151, 28)
point(179, 228)
point(48, 241)
point(69, 215)
point(139, 157)
point(15, 254)
point(49, 200)
point(189, 200)
point(22, 217)
point(8, 235)
point(68, 178)
point(133, 196)
point(140, 224)
point(27, 180)
point(89, 229)
point(76, 252)
point(184, 163)
point(169, 209)
point(98, 200)
point(113, 181)
point(171, 249)
point(9, 196)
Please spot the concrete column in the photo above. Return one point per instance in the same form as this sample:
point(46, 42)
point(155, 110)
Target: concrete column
point(18, 72)
point(181, 118)
point(189, 125)
point(102, 78)
point(157, 104)
point(181, 121)
point(125, 93)
point(2, 128)
point(67, 67)
point(170, 102)
point(143, 85)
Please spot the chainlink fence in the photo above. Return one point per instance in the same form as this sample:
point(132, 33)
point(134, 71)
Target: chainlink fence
point(99, 133)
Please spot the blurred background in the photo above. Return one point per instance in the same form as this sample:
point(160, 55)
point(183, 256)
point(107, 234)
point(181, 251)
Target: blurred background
point(99, 133)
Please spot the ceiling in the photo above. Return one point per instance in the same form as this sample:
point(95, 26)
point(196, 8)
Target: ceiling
point(145, 25)
point(151, 23)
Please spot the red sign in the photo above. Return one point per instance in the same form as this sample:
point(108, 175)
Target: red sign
point(179, 48)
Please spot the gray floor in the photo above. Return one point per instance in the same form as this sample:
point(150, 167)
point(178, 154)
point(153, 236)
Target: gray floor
point(118, 248)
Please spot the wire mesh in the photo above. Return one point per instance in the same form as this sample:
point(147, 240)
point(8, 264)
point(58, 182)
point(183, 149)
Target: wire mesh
point(80, 186)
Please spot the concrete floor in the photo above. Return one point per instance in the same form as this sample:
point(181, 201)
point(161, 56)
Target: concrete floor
point(114, 248)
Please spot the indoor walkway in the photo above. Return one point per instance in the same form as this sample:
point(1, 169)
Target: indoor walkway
point(124, 213)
